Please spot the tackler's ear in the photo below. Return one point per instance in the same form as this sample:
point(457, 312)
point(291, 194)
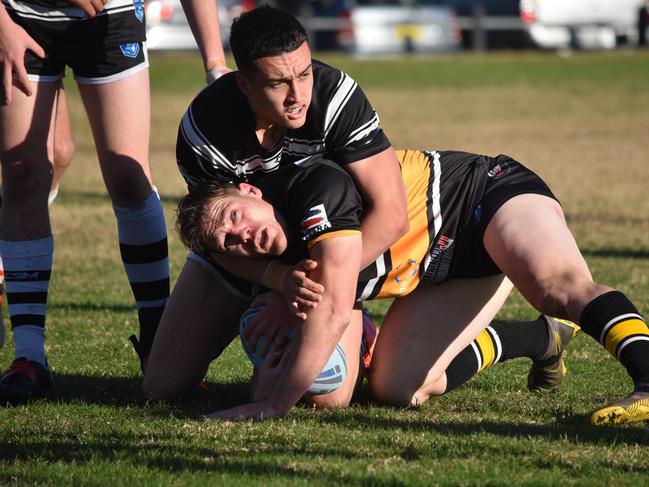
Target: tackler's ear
point(247, 189)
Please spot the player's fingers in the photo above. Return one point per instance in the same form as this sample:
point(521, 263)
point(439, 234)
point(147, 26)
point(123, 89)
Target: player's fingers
point(7, 84)
point(36, 48)
point(22, 80)
point(302, 294)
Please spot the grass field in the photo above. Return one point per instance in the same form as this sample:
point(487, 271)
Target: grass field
point(581, 122)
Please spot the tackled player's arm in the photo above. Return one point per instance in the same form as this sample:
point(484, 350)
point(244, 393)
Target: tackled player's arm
point(338, 266)
point(385, 219)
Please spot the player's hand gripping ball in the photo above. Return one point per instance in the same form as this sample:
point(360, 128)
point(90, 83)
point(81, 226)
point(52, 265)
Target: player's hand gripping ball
point(332, 376)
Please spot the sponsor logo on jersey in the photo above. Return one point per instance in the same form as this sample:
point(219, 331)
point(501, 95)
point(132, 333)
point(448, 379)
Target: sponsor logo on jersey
point(405, 273)
point(314, 222)
point(139, 10)
point(131, 49)
point(442, 245)
point(497, 171)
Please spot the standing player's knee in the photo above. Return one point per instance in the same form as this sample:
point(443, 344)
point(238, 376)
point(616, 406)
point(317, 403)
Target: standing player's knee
point(64, 149)
point(28, 174)
point(127, 182)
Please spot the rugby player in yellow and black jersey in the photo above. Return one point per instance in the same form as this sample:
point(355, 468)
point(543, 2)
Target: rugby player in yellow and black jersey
point(465, 210)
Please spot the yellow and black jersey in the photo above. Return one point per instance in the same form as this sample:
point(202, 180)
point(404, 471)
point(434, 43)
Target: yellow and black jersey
point(451, 198)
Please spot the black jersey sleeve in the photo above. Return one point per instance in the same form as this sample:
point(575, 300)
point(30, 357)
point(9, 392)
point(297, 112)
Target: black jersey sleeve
point(207, 137)
point(324, 203)
point(351, 126)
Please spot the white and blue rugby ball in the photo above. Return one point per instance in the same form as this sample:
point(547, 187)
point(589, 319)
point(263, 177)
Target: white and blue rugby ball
point(330, 379)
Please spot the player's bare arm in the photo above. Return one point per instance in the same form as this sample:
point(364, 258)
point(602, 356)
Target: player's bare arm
point(338, 266)
point(386, 218)
point(14, 41)
point(203, 18)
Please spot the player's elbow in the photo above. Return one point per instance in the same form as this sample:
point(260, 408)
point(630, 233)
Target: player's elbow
point(399, 224)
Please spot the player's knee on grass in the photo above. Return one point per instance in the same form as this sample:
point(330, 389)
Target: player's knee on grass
point(160, 385)
point(399, 392)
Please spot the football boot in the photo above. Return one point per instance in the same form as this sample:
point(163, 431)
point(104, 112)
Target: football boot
point(633, 408)
point(25, 380)
point(547, 370)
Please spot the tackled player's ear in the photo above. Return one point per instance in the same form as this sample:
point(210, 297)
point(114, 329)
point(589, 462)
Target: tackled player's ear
point(249, 190)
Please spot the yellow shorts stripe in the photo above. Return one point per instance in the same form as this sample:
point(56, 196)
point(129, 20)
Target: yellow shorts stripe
point(338, 233)
point(487, 348)
point(621, 331)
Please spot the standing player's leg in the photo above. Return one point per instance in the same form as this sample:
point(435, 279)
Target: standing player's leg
point(119, 114)
point(63, 141)
point(26, 242)
point(530, 242)
point(62, 156)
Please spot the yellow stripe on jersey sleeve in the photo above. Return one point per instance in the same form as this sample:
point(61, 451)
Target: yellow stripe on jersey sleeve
point(338, 233)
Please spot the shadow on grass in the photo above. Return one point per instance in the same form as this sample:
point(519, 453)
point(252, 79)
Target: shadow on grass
point(574, 428)
point(89, 307)
point(269, 454)
point(127, 391)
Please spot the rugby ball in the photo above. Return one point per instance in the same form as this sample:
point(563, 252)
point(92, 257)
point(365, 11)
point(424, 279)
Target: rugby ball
point(333, 373)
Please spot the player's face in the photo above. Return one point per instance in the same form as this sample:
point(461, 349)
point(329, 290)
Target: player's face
point(244, 225)
point(279, 89)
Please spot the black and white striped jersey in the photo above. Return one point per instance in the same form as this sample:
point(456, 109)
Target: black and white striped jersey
point(217, 139)
point(63, 10)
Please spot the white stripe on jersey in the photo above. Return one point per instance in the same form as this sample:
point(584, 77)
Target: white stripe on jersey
point(303, 147)
point(58, 13)
point(434, 197)
point(437, 176)
point(200, 145)
point(363, 131)
point(254, 163)
point(346, 86)
point(371, 284)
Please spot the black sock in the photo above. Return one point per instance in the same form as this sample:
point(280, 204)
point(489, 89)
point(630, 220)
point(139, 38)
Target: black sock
point(616, 324)
point(497, 343)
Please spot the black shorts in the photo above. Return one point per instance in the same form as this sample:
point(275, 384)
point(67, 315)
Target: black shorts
point(108, 47)
point(506, 178)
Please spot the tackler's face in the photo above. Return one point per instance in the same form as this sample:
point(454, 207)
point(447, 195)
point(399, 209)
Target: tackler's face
point(243, 224)
point(279, 89)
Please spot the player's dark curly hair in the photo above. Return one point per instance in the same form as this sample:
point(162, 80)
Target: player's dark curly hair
point(262, 32)
point(191, 211)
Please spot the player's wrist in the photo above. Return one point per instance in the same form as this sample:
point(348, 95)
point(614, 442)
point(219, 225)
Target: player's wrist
point(274, 276)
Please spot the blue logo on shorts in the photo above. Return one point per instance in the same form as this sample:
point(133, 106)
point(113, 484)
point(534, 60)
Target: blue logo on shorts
point(130, 50)
point(139, 10)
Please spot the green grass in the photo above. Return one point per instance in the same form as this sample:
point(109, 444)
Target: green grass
point(580, 122)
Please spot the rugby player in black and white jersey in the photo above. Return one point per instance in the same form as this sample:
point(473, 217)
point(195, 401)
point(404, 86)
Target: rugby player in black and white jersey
point(103, 42)
point(281, 108)
point(475, 223)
